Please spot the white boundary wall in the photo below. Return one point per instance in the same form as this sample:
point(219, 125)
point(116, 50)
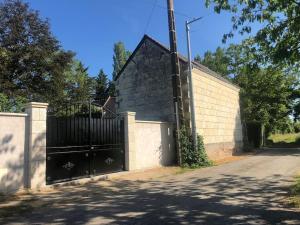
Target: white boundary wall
point(148, 144)
point(13, 144)
point(154, 144)
point(23, 148)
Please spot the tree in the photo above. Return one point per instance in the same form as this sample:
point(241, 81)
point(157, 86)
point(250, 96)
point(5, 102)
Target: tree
point(296, 108)
point(60, 81)
point(81, 85)
point(12, 105)
point(101, 86)
point(30, 55)
point(240, 56)
point(119, 58)
point(4, 103)
point(111, 88)
point(278, 40)
point(217, 61)
point(197, 58)
point(297, 111)
point(268, 95)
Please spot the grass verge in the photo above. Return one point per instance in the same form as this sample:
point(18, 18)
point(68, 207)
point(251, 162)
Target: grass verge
point(295, 193)
point(284, 140)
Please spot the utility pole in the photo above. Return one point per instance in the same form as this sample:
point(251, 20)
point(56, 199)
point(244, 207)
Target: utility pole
point(193, 119)
point(176, 83)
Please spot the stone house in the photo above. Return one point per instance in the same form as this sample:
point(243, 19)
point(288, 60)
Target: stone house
point(144, 86)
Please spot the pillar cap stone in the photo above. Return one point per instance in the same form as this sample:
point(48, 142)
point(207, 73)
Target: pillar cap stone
point(128, 113)
point(36, 105)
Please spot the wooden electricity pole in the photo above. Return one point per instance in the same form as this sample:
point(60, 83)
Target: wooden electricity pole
point(176, 83)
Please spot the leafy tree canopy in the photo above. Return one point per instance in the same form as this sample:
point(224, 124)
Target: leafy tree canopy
point(119, 58)
point(278, 40)
point(31, 57)
point(101, 86)
point(111, 88)
point(11, 105)
point(82, 86)
point(34, 67)
point(216, 61)
point(268, 95)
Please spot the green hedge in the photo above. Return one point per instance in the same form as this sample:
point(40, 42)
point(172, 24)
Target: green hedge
point(191, 157)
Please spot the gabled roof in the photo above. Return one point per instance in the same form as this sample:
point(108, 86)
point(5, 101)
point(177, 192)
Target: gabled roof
point(181, 58)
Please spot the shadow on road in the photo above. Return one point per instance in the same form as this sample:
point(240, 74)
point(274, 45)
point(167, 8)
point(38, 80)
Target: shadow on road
point(227, 199)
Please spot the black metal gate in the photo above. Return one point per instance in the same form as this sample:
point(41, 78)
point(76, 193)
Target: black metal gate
point(83, 139)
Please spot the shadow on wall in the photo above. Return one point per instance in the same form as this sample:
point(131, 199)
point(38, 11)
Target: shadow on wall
point(37, 176)
point(14, 164)
point(238, 134)
point(154, 144)
point(167, 150)
point(11, 165)
point(226, 199)
point(4, 144)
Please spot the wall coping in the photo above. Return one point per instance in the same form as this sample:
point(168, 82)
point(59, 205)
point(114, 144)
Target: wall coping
point(13, 114)
point(37, 105)
point(153, 122)
point(129, 113)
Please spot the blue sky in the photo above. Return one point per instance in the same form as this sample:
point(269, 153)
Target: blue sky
point(90, 28)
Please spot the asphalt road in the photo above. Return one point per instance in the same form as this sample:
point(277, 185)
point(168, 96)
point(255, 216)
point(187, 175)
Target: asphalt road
point(249, 191)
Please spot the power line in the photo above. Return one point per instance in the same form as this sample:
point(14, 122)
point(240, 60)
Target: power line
point(175, 12)
point(207, 15)
point(150, 16)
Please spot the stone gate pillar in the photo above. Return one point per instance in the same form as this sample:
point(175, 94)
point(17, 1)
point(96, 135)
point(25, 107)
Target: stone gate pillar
point(35, 157)
point(130, 153)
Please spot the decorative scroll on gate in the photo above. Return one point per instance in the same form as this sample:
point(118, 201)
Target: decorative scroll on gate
point(83, 139)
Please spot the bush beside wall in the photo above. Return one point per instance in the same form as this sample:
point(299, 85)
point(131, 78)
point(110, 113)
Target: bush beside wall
point(192, 157)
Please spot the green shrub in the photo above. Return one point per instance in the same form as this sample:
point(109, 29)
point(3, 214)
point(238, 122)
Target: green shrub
point(297, 127)
point(191, 157)
point(15, 104)
point(4, 103)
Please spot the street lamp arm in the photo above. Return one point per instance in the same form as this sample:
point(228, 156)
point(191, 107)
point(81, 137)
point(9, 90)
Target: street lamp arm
point(193, 20)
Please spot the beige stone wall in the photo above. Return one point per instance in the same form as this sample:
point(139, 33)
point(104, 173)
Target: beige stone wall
point(145, 86)
point(130, 151)
point(154, 144)
point(36, 160)
point(217, 114)
point(13, 128)
point(23, 148)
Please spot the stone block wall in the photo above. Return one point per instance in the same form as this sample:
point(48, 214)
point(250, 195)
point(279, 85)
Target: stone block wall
point(217, 114)
point(145, 86)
